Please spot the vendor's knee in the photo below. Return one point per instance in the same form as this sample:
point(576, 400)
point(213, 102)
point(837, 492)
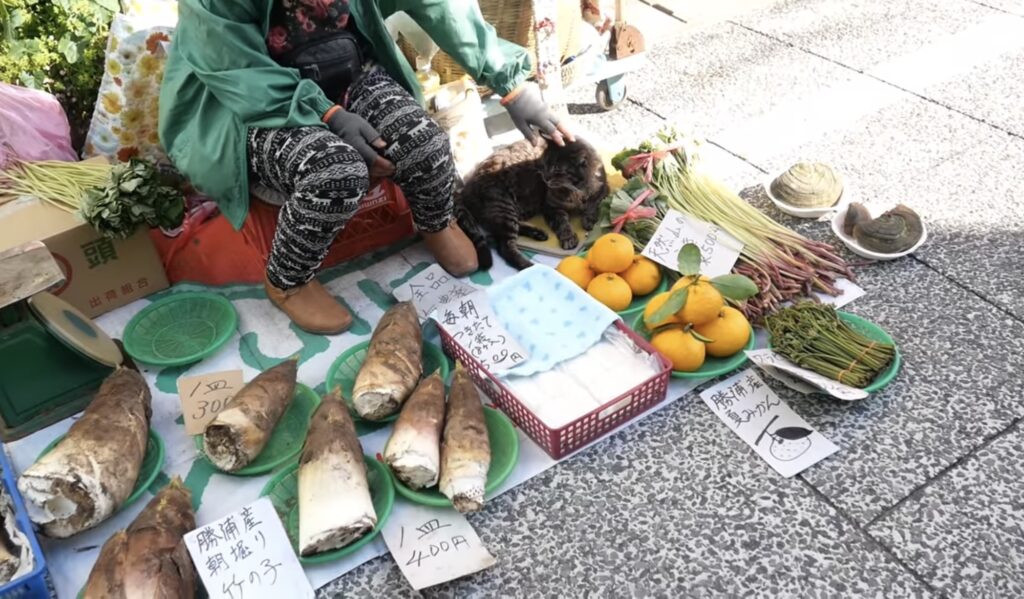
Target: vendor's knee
point(427, 146)
point(337, 173)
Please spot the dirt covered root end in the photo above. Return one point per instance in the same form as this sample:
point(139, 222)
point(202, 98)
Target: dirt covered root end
point(223, 447)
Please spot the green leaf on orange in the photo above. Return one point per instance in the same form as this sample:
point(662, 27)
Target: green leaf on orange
point(700, 337)
point(673, 304)
point(735, 287)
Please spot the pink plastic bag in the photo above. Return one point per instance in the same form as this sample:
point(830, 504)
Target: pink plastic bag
point(33, 126)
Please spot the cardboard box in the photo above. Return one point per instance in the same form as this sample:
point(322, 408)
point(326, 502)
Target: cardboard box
point(100, 274)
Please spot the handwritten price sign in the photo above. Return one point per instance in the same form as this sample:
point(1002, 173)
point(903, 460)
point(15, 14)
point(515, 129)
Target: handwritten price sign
point(770, 427)
point(718, 249)
point(203, 396)
point(433, 545)
point(472, 323)
point(247, 555)
point(431, 289)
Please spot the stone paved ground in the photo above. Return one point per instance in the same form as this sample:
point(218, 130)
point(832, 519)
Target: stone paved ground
point(915, 101)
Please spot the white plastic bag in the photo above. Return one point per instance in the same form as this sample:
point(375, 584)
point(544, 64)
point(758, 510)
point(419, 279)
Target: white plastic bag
point(33, 126)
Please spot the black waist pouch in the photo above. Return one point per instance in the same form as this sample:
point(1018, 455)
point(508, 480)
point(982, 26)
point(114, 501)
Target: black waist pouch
point(333, 62)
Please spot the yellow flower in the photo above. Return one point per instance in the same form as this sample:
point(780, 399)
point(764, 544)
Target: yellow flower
point(112, 102)
point(115, 130)
point(137, 90)
point(153, 138)
point(132, 118)
point(113, 43)
point(148, 65)
point(127, 137)
point(113, 67)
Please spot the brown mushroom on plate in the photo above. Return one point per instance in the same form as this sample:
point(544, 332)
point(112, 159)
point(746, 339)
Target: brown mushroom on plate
point(895, 231)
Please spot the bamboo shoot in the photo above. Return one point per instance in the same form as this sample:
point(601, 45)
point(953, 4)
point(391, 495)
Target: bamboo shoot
point(16, 557)
point(240, 432)
point(90, 473)
point(466, 451)
point(149, 560)
point(335, 507)
point(413, 450)
point(393, 364)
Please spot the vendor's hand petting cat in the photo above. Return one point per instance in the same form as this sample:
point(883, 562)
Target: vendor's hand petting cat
point(521, 181)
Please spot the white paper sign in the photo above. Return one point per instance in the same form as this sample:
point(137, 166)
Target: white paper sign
point(433, 545)
point(718, 249)
point(247, 555)
point(472, 323)
point(848, 291)
point(431, 289)
point(758, 416)
point(775, 364)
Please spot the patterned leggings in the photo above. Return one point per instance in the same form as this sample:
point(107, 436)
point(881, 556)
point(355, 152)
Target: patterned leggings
point(325, 178)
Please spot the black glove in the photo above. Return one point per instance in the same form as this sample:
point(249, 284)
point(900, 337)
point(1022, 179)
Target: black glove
point(361, 135)
point(528, 110)
point(357, 133)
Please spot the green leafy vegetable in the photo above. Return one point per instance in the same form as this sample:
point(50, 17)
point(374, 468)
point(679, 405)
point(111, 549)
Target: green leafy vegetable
point(813, 336)
point(132, 197)
point(639, 230)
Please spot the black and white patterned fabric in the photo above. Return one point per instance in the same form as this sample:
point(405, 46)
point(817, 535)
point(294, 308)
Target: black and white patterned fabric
point(419, 148)
point(325, 178)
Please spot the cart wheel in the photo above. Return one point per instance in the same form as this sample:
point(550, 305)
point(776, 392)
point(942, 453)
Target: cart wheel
point(610, 97)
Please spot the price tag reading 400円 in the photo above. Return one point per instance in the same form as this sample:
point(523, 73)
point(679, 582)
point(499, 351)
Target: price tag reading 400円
point(718, 249)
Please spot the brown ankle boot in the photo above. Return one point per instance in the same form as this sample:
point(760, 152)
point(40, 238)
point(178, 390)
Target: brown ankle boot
point(310, 307)
point(452, 250)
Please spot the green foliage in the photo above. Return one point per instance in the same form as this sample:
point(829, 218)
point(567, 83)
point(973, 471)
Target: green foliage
point(57, 46)
point(735, 287)
point(134, 196)
point(673, 304)
point(689, 260)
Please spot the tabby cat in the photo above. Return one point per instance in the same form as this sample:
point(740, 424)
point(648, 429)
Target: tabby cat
point(520, 181)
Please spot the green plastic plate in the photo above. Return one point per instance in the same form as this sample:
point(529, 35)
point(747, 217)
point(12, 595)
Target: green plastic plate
point(639, 303)
point(343, 371)
point(152, 462)
point(288, 437)
point(504, 456)
point(875, 333)
point(712, 367)
point(283, 491)
point(180, 329)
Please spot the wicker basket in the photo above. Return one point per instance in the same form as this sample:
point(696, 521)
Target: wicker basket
point(513, 21)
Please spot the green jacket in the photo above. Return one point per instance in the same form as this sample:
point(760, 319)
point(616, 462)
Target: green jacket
point(220, 80)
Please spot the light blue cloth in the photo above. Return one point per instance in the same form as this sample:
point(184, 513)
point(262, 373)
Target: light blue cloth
point(551, 317)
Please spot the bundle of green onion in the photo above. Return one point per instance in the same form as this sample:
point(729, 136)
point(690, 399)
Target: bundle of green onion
point(62, 184)
point(784, 264)
point(813, 336)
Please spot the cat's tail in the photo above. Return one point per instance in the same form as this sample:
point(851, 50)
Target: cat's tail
point(476, 234)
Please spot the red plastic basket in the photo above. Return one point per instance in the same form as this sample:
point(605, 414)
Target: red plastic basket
point(559, 442)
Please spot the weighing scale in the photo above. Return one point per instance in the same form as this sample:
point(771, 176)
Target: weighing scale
point(53, 357)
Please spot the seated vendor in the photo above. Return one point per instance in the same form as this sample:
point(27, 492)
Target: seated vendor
point(312, 99)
